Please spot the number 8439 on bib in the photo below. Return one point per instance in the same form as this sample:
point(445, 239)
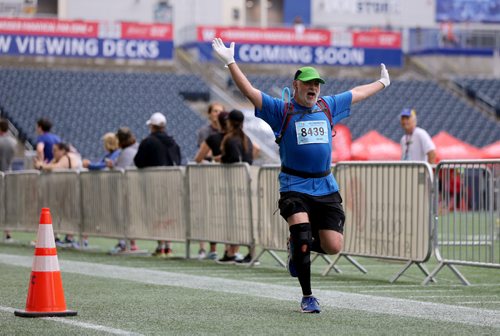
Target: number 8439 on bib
point(310, 132)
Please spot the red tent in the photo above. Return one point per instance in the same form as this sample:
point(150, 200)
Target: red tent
point(450, 148)
point(375, 146)
point(341, 144)
point(492, 151)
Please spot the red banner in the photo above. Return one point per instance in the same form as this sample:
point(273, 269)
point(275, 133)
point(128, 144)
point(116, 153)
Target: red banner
point(142, 31)
point(48, 27)
point(383, 40)
point(276, 36)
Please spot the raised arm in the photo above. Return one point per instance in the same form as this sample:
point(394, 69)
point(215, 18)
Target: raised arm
point(362, 92)
point(239, 78)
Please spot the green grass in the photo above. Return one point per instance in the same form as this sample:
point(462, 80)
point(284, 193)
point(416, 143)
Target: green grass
point(165, 310)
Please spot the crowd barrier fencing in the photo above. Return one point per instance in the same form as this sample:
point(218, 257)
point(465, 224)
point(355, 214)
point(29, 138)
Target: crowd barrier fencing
point(220, 204)
point(273, 230)
point(155, 203)
point(467, 221)
point(21, 200)
point(388, 212)
point(2, 197)
point(61, 192)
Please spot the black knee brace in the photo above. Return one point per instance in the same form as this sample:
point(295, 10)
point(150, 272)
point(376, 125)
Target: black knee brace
point(301, 239)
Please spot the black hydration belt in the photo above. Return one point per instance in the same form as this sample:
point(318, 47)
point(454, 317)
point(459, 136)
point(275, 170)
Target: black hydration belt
point(303, 174)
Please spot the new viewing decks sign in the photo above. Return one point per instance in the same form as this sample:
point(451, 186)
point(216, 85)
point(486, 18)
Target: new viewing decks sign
point(86, 39)
point(311, 46)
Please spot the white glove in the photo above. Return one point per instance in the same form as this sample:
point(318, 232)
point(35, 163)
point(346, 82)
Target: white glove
point(384, 76)
point(225, 54)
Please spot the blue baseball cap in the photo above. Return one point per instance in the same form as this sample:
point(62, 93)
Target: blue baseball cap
point(408, 112)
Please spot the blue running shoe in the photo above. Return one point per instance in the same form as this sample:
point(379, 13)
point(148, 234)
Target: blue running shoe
point(290, 265)
point(310, 304)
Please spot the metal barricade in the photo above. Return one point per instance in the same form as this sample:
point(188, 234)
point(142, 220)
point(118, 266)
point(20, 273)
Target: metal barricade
point(103, 203)
point(60, 191)
point(388, 212)
point(155, 204)
point(2, 200)
point(22, 210)
point(220, 207)
point(273, 230)
point(467, 227)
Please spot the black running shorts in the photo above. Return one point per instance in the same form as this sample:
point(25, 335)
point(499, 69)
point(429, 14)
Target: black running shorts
point(325, 212)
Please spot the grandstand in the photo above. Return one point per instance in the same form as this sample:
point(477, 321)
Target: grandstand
point(84, 105)
point(485, 90)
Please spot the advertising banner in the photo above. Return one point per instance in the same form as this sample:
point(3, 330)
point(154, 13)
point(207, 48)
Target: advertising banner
point(319, 47)
point(85, 39)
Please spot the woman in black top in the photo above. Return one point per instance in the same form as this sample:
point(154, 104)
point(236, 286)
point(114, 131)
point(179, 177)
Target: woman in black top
point(213, 142)
point(236, 145)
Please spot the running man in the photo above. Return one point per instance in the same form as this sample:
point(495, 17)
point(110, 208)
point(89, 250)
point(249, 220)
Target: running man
point(310, 201)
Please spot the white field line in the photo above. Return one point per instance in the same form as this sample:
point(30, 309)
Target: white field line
point(79, 324)
point(448, 296)
point(406, 290)
point(328, 298)
point(478, 302)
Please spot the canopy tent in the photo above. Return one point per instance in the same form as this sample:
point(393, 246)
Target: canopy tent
point(341, 144)
point(375, 146)
point(450, 148)
point(492, 151)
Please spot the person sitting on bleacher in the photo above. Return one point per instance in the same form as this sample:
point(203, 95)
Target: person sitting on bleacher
point(110, 142)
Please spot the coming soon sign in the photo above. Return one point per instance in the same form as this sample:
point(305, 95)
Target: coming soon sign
point(315, 46)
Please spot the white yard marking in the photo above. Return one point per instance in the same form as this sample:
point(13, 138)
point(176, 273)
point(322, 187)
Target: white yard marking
point(80, 324)
point(328, 298)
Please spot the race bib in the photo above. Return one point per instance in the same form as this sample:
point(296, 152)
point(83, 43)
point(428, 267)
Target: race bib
point(310, 132)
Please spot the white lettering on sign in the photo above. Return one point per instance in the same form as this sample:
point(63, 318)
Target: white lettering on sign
point(130, 49)
point(57, 46)
point(5, 43)
point(342, 56)
point(275, 54)
point(362, 6)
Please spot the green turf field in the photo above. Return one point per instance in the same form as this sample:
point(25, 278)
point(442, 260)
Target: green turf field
point(149, 296)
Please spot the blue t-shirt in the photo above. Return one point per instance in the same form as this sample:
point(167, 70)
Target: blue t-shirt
point(48, 140)
point(307, 141)
point(113, 156)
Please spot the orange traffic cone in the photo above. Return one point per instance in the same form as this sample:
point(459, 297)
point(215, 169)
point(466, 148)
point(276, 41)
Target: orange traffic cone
point(45, 294)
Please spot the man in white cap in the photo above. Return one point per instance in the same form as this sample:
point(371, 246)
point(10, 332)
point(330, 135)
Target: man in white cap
point(158, 149)
point(416, 144)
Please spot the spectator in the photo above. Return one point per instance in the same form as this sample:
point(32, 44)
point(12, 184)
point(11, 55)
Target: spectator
point(7, 146)
point(7, 151)
point(45, 140)
point(128, 146)
point(110, 142)
point(416, 144)
point(212, 127)
point(212, 144)
point(298, 25)
point(158, 149)
point(63, 158)
point(236, 147)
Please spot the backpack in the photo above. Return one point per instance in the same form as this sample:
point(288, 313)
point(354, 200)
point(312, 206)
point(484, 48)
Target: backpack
point(288, 113)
